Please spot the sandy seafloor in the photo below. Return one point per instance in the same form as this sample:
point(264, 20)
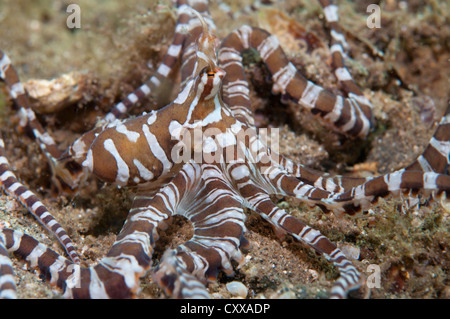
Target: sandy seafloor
point(119, 46)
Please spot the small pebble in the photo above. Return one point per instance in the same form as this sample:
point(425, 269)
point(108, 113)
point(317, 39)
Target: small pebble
point(445, 203)
point(350, 251)
point(237, 288)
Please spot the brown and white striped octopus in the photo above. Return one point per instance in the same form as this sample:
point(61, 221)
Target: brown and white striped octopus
point(202, 157)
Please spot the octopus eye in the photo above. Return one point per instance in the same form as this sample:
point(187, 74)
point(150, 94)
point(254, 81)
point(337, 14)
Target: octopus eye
point(210, 74)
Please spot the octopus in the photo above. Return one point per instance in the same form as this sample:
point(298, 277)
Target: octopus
point(203, 157)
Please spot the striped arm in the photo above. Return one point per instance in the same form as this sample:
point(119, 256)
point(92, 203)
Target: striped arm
point(194, 28)
point(360, 197)
point(62, 175)
point(218, 221)
point(331, 14)
point(258, 200)
point(325, 181)
point(114, 276)
point(27, 116)
point(171, 274)
point(436, 156)
point(167, 65)
point(7, 282)
point(51, 264)
point(352, 115)
point(235, 86)
point(338, 47)
point(13, 187)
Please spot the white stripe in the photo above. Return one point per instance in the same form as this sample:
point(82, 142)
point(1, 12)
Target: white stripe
point(310, 95)
point(89, 161)
point(17, 89)
point(5, 261)
point(14, 187)
point(339, 37)
point(36, 206)
point(26, 195)
point(3, 160)
point(145, 89)
point(337, 47)
point(143, 171)
point(156, 149)
point(126, 266)
point(283, 77)
point(237, 86)
point(442, 147)
point(268, 46)
point(4, 63)
point(110, 118)
point(132, 136)
point(360, 99)
point(121, 107)
point(54, 269)
point(181, 27)
point(184, 94)
point(163, 70)
point(52, 223)
point(426, 167)
point(133, 98)
point(359, 192)
point(244, 34)
point(17, 238)
point(334, 115)
point(34, 255)
point(351, 123)
point(6, 175)
point(44, 138)
point(301, 189)
point(429, 180)
point(240, 172)
point(312, 236)
point(96, 287)
point(155, 81)
point(393, 180)
point(227, 55)
point(331, 13)
point(330, 185)
point(174, 50)
point(279, 214)
point(343, 75)
point(123, 173)
point(4, 279)
point(26, 115)
point(445, 119)
point(8, 294)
